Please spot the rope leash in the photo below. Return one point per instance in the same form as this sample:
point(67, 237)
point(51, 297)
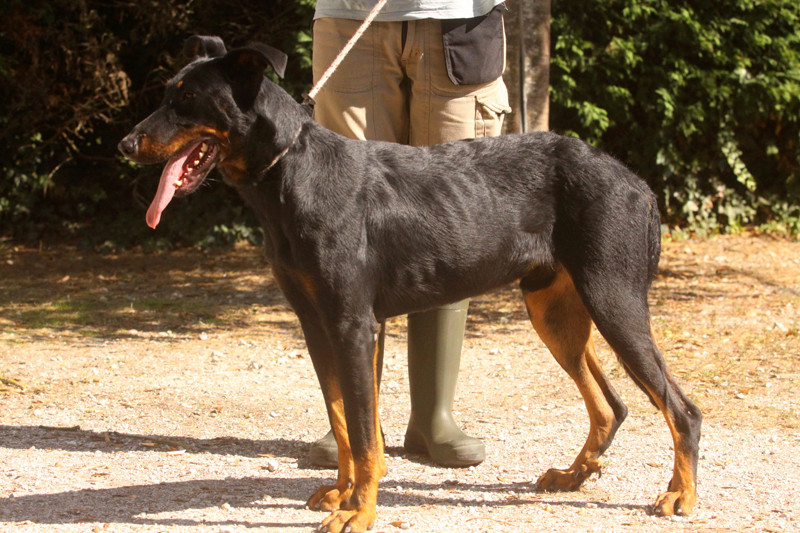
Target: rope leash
point(309, 97)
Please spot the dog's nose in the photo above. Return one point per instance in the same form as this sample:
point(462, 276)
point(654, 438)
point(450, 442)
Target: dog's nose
point(129, 146)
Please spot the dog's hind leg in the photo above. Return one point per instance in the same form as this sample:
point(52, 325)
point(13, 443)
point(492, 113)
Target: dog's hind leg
point(609, 240)
point(624, 322)
point(563, 323)
point(613, 286)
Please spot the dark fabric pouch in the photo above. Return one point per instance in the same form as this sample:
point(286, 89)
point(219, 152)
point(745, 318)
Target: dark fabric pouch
point(474, 48)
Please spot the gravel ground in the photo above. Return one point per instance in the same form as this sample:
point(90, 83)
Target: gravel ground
point(173, 393)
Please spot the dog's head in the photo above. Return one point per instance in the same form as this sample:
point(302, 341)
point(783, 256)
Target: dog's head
point(204, 104)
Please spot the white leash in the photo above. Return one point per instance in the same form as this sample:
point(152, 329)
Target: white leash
point(309, 97)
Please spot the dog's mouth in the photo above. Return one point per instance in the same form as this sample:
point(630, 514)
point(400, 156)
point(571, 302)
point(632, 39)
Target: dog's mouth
point(183, 173)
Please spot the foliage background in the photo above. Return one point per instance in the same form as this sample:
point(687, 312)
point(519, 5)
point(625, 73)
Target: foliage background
point(75, 76)
point(701, 98)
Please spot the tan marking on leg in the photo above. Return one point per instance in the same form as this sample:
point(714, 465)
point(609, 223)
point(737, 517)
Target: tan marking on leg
point(360, 510)
point(681, 494)
point(563, 323)
point(331, 497)
point(307, 282)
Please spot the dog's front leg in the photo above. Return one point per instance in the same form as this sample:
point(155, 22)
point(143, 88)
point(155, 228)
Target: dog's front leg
point(356, 359)
point(328, 497)
point(320, 348)
point(332, 497)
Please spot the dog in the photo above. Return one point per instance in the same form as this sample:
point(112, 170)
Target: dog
point(358, 231)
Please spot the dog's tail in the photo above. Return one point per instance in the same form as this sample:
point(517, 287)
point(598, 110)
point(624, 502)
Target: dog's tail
point(653, 256)
point(653, 238)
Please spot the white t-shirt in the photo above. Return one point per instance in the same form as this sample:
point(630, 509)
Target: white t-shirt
point(395, 10)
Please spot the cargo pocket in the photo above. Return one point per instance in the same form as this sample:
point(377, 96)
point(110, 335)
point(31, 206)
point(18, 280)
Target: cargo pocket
point(491, 109)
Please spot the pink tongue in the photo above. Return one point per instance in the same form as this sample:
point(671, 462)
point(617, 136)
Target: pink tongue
point(166, 187)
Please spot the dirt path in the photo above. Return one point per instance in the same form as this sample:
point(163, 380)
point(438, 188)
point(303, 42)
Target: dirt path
point(172, 393)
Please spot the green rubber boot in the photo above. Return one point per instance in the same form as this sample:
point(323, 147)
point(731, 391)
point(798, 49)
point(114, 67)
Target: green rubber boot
point(324, 452)
point(434, 354)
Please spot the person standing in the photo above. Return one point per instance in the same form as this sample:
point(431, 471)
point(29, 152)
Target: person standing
point(425, 72)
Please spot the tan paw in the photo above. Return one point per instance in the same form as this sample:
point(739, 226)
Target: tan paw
point(329, 498)
point(555, 480)
point(678, 502)
point(343, 521)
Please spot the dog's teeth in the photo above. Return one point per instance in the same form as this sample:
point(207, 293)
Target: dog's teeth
point(197, 161)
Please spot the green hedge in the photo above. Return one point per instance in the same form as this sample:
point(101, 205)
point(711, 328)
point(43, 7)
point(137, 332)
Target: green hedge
point(75, 76)
point(702, 98)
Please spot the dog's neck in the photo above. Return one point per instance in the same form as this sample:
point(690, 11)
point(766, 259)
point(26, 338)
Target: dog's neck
point(271, 127)
point(277, 123)
point(284, 114)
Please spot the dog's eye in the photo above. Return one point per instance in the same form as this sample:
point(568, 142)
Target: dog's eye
point(186, 96)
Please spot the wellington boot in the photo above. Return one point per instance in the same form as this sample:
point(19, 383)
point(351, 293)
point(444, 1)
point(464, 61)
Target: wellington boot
point(324, 452)
point(434, 355)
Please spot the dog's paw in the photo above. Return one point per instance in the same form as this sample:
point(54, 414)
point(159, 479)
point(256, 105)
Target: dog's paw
point(555, 480)
point(344, 521)
point(677, 502)
point(329, 498)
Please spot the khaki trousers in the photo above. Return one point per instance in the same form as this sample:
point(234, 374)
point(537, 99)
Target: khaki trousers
point(389, 91)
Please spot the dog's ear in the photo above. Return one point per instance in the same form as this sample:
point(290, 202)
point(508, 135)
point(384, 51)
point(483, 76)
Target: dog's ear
point(203, 46)
point(244, 67)
point(256, 57)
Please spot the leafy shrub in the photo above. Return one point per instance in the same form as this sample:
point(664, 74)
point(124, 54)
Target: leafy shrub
point(76, 75)
point(701, 98)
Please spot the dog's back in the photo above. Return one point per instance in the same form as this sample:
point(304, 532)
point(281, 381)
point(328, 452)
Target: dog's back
point(433, 223)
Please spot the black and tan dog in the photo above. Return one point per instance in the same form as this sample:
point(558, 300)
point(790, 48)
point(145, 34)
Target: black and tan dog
point(360, 231)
